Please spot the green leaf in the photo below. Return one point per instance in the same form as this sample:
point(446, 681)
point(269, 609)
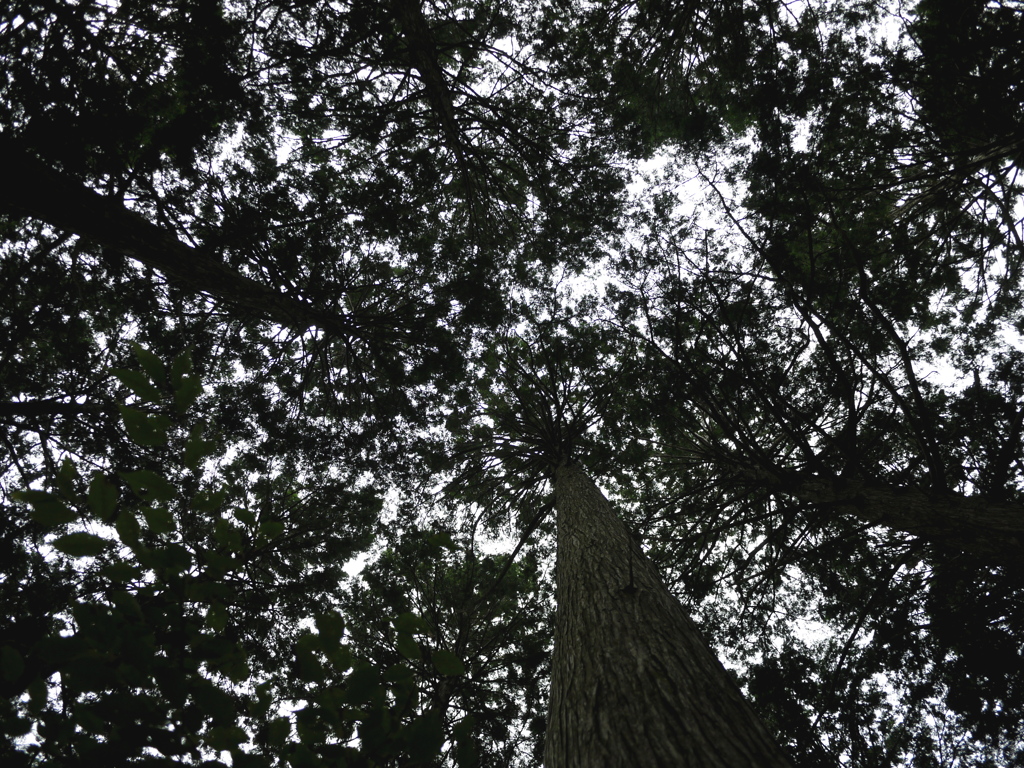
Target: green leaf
point(11, 663)
point(244, 516)
point(47, 509)
point(278, 731)
point(212, 700)
point(81, 544)
point(303, 757)
point(128, 604)
point(88, 720)
point(399, 673)
point(186, 393)
point(139, 384)
point(236, 667)
point(127, 526)
point(196, 449)
point(228, 535)
point(409, 622)
point(466, 753)
point(150, 363)
point(240, 759)
point(263, 701)
point(330, 625)
point(424, 737)
point(224, 737)
point(37, 694)
point(149, 486)
point(217, 562)
point(217, 617)
point(441, 540)
point(174, 557)
point(271, 529)
point(309, 667)
point(121, 571)
point(208, 591)
point(447, 663)
point(341, 658)
point(102, 498)
point(363, 685)
point(145, 429)
point(209, 500)
point(158, 519)
point(408, 647)
point(16, 726)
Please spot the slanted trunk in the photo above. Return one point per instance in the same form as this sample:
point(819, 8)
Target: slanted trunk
point(633, 683)
point(990, 530)
point(33, 189)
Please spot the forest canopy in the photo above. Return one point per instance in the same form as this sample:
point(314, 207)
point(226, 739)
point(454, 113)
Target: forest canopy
point(320, 317)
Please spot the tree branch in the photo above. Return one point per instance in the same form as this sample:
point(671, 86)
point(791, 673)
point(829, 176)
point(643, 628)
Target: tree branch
point(989, 529)
point(35, 190)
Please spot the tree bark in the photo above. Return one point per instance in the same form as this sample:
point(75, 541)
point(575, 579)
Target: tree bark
point(33, 189)
point(633, 683)
point(423, 56)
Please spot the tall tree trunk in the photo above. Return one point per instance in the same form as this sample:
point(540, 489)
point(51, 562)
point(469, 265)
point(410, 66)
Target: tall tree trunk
point(633, 683)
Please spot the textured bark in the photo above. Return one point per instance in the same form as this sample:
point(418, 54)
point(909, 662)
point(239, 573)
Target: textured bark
point(423, 56)
point(633, 683)
point(991, 530)
point(30, 188)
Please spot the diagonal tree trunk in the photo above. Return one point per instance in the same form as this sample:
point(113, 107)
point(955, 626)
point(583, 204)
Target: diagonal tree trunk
point(633, 683)
point(991, 530)
point(423, 56)
point(33, 189)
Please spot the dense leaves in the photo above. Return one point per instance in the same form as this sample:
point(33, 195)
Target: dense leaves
point(824, 332)
point(183, 607)
point(304, 301)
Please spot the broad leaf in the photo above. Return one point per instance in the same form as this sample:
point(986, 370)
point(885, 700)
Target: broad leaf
point(81, 544)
